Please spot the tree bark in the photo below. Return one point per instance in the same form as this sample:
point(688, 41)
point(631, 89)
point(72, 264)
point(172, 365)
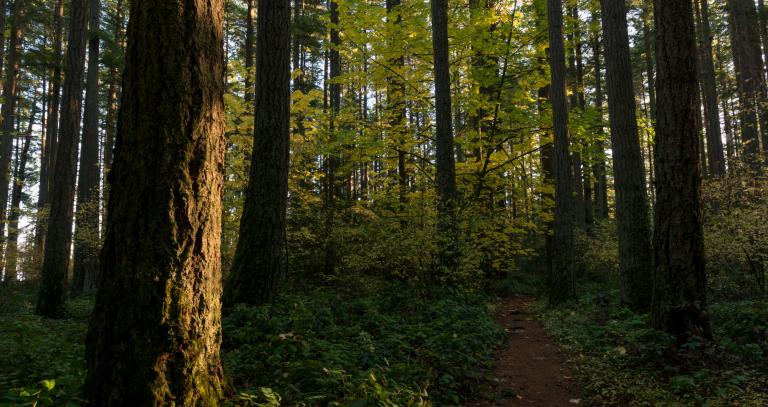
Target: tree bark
point(58, 239)
point(562, 278)
point(52, 132)
point(447, 223)
point(396, 104)
point(10, 97)
point(601, 178)
point(110, 125)
point(260, 256)
point(11, 251)
point(632, 220)
point(715, 155)
point(745, 42)
point(87, 239)
point(332, 159)
point(155, 332)
point(679, 300)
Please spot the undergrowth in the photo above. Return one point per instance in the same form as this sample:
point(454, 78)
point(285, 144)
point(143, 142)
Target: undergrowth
point(620, 361)
point(395, 347)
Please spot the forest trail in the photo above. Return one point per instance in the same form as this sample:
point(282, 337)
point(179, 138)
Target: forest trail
point(528, 366)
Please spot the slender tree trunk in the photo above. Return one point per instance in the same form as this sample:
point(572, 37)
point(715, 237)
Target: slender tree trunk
point(250, 15)
point(679, 300)
point(447, 223)
point(576, 108)
point(260, 257)
point(87, 239)
point(11, 251)
point(10, 96)
point(632, 220)
point(762, 14)
point(58, 239)
point(745, 42)
point(716, 158)
point(649, 44)
point(332, 159)
point(601, 178)
point(3, 4)
point(110, 126)
point(396, 104)
point(52, 131)
point(155, 332)
point(562, 278)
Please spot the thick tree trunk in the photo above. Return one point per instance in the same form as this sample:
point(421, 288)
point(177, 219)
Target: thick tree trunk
point(576, 108)
point(715, 155)
point(58, 239)
point(562, 278)
point(10, 97)
point(260, 256)
point(447, 223)
point(155, 333)
point(632, 219)
point(11, 251)
point(679, 300)
point(52, 131)
point(87, 239)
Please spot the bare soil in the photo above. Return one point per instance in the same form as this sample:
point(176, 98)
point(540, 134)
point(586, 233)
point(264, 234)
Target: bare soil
point(529, 370)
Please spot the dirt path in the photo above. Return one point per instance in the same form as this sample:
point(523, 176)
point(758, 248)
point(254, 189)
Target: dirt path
point(528, 367)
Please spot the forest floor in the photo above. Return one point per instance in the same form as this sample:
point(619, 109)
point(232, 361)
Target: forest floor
point(529, 370)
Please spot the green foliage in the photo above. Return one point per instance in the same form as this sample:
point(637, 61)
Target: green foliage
point(736, 236)
point(42, 359)
point(620, 361)
point(391, 348)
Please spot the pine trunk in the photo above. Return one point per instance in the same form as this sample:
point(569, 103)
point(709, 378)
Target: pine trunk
point(562, 278)
point(632, 219)
point(58, 238)
point(155, 333)
point(260, 256)
point(715, 155)
point(447, 227)
point(87, 239)
point(679, 300)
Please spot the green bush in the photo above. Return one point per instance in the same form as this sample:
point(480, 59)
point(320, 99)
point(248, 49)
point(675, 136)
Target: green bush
point(393, 348)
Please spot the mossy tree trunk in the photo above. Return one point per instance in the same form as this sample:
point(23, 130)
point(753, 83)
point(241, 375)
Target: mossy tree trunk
point(155, 333)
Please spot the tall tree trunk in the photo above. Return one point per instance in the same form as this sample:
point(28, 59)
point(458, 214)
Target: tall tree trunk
point(10, 96)
point(649, 44)
point(58, 239)
point(562, 278)
point(250, 14)
point(576, 108)
point(716, 157)
point(396, 103)
point(762, 14)
point(260, 256)
point(155, 332)
point(679, 300)
point(52, 132)
point(632, 220)
point(745, 42)
point(601, 177)
point(332, 159)
point(11, 251)
point(87, 239)
point(3, 4)
point(110, 125)
point(447, 223)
